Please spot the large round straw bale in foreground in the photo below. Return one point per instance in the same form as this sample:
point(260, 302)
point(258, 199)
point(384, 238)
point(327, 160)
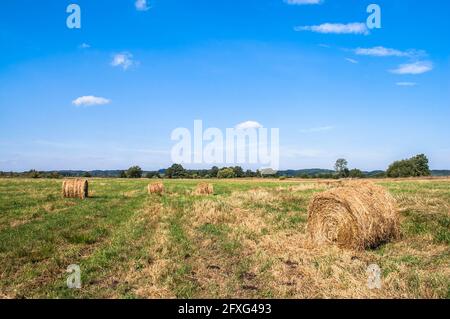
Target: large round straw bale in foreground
point(156, 188)
point(75, 188)
point(204, 189)
point(356, 216)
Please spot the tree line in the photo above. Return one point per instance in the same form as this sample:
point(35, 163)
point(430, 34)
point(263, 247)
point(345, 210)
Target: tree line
point(416, 166)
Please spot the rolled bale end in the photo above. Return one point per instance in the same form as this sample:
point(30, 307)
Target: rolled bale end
point(75, 188)
point(358, 215)
point(156, 188)
point(204, 189)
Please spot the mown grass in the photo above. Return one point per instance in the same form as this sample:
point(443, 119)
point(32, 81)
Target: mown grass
point(247, 240)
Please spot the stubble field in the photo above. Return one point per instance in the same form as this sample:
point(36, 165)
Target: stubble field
point(248, 240)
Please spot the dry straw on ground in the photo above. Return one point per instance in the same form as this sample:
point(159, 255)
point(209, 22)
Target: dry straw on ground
point(75, 188)
point(357, 215)
point(204, 189)
point(156, 188)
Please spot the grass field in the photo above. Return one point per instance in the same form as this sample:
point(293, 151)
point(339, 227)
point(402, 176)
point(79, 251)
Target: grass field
point(247, 240)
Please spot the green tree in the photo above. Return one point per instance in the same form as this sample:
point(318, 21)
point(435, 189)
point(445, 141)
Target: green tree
point(86, 174)
point(356, 173)
point(341, 167)
point(250, 173)
point(238, 171)
point(403, 168)
point(421, 165)
point(213, 171)
point(134, 172)
point(123, 174)
point(34, 174)
point(226, 173)
point(414, 167)
point(54, 175)
point(176, 171)
point(152, 175)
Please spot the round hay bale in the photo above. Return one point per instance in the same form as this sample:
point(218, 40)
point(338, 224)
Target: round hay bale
point(75, 188)
point(156, 188)
point(204, 189)
point(357, 215)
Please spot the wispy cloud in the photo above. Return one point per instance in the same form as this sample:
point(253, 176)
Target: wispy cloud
point(415, 68)
point(336, 28)
point(408, 84)
point(353, 61)
point(84, 46)
point(123, 60)
point(142, 5)
point(303, 2)
point(248, 125)
point(380, 51)
point(317, 129)
point(90, 100)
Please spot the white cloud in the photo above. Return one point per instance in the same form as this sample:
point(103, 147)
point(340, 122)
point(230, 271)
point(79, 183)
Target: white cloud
point(302, 2)
point(351, 60)
point(141, 5)
point(85, 46)
point(248, 125)
point(406, 83)
point(381, 51)
point(123, 60)
point(318, 129)
point(90, 100)
point(419, 67)
point(336, 28)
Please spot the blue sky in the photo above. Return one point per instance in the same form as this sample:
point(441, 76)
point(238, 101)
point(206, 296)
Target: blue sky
point(371, 98)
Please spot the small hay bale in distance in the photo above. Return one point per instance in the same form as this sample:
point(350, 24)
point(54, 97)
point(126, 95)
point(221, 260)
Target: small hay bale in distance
point(204, 189)
point(355, 216)
point(156, 188)
point(75, 188)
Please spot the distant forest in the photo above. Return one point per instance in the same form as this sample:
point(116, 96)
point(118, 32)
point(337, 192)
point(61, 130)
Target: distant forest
point(416, 166)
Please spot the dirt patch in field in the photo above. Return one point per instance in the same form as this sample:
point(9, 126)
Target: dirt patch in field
point(209, 211)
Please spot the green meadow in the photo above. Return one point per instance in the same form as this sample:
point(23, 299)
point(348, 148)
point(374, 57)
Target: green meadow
point(248, 240)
